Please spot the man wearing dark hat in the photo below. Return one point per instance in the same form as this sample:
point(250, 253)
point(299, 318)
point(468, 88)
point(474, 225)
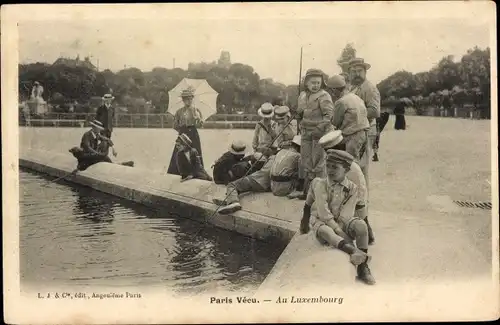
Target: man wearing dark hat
point(285, 130)
point(279, 175)
point(369, 93)
point(315, 108)
point(334, 140)
point(106, 115)
point(228, 168)
point(330, 211)
point(349, 116)
point(188, 160)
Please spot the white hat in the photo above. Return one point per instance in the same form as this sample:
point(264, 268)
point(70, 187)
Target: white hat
point(266, 110)
point(331, 139)
point(297, 140)
point(280, 112)
point(108, 96)
point(97, 124)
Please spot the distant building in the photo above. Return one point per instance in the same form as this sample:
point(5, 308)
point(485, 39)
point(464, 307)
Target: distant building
point(75, 62)
point(225, 59)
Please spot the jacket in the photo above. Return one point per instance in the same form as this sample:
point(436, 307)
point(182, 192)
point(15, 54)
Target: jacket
point(263, 137)
point(223, 166)
point(287, 133)
point(316, 111)
point(106, 116)
point(369, 93)
point(188, 167)
point(349, 114)
point(90, 144)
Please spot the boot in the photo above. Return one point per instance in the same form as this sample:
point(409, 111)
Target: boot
point(356, 256)
point(307, 183)
point(375, 157)
point(364, 274)
point(300, 185)
point(371, 237)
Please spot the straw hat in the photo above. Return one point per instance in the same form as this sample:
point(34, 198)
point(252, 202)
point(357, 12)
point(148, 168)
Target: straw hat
point(238, 148)
point(331, 139)
point(266, 110)
point(97, 124)
point(281, 112)
point(186, 93)
point(185, 140)
point(108, 96)
point(297, 140)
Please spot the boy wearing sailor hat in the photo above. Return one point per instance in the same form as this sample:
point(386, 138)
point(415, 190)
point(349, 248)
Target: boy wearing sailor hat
point(330, 211)
point(265, 133)
point(334, 140)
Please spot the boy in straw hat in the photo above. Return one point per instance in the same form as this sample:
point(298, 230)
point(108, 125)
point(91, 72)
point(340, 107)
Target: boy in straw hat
point(264, 132)
point(282, 117)
point(279, 175)
point(334, 140)
point(188, 160)
point(225, 168)
point(329, 210)
point(106, 114)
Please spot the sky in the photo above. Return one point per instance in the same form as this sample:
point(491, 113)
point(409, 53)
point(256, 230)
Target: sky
point(270, 46)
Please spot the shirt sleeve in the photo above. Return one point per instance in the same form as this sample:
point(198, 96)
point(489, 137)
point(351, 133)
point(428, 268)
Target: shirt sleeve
point(326, 105)
point(255, 141)
point(348, 208)
point(372, 102)
point(177, 121)
point(338, 114)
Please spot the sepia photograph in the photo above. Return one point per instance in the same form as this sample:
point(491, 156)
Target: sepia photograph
point(250, 162)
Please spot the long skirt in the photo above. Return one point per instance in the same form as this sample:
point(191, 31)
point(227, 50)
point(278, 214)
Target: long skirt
point(192, 133)
point(400, 123)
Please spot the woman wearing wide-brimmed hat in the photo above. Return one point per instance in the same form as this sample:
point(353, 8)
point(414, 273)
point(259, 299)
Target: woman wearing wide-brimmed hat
point(315, 108)
point(187, 120)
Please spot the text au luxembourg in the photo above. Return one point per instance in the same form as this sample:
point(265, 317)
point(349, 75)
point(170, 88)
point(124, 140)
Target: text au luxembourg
point(279, 300)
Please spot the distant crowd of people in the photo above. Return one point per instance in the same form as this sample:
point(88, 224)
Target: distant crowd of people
point(324, 159)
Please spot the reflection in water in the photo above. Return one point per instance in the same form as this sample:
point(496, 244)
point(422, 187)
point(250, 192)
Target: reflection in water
point(76, 235)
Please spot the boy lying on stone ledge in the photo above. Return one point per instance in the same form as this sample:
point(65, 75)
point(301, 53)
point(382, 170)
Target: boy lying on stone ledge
point(188, 160)
point(94, 148)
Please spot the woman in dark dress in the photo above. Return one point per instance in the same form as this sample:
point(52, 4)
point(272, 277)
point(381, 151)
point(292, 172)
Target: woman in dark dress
point(399, 112)
point(186, 121)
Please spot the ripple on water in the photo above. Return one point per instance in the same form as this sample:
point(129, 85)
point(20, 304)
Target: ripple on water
point(76, 235)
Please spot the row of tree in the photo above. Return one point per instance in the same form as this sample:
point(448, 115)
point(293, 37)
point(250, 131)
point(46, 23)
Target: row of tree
point(240, 87)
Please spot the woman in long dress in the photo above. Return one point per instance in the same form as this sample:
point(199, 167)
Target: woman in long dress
point(186, 121)
point(399, 112)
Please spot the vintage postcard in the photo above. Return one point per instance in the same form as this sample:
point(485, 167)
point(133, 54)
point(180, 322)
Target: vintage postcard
point(250, 162)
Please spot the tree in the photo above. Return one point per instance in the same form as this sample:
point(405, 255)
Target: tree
point(347, 54)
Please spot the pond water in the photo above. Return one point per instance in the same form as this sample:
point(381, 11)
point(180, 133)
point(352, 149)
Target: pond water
point(76, 235)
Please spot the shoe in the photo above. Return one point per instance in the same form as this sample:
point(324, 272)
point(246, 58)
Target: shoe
point(365, 275)
point(219, 202)
point(294, 195)
point(375, 157)
point(358, 257)
point(230, 208)
point(371, 240)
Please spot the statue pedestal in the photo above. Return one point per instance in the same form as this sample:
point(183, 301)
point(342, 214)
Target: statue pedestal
point(37, 106)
